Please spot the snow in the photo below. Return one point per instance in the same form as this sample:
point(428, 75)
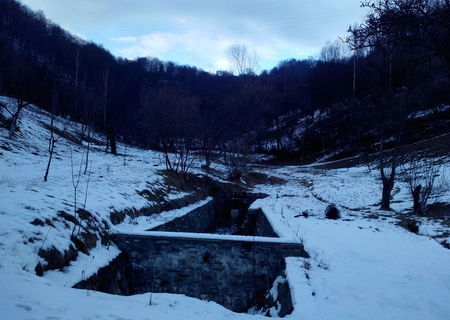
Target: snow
point(360, 267)
point(84, 267)
point(145, 223)
point(428, 112)
point(38, 298)
point(110, 186)
point(363, 266)
point(208, 236)
point(386, 274)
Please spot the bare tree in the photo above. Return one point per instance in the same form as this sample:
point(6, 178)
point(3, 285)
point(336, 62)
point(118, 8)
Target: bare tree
point(184, 157)
point(211, 129)
point(105, 99)
point(21, 104)
point(179, 152)
point(242, 61)
point(333, 51)
point(422, 23)
point(87, 185)
point(236, 158)
point(421, 178)
point(88, 148)
point(12, 122)
point(107, 115)
point(20, 81)
point(52, 140)
point(175, 117)
point(388, 170)
point(87, 122)
point(356, 45)
point(385, 47)
point(388, 160)
point(76, 177)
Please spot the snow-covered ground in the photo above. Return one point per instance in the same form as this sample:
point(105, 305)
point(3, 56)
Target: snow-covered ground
point(362, 266)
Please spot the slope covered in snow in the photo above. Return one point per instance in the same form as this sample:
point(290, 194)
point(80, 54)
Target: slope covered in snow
point(112, 183)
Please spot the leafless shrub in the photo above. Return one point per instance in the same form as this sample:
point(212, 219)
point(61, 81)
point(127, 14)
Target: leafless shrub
point(53, 139)
point(321, 261)
point(179, 157)
point(76, 177)
point(421, 177)
point(306, 265)
point(236, 158)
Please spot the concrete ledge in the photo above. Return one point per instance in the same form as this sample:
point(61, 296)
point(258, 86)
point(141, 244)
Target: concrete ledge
point(198, 237)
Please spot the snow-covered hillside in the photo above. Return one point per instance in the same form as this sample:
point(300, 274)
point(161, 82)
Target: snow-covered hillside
point(363, 266)
point(111, 184)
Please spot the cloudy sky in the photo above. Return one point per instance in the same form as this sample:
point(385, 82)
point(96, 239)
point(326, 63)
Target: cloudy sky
point(200, 32)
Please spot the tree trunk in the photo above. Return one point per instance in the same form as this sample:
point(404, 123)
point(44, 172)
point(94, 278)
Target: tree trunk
point(207, 159)
point(87, 151)
point(354, 76)
point(12, 126)
point(168, 162)
point(386, 194)
point(112, 141)
point(417, 206)
point(206, 152)
point(15, 119)
point(52, 148)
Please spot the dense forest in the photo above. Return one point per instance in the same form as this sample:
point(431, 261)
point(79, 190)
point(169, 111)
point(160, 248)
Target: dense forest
point(359, 91)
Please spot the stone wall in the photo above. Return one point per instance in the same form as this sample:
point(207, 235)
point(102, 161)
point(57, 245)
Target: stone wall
point(258, 224)
point(114, 278)
point(216, 212)
point(233, 273)
point(201, 219)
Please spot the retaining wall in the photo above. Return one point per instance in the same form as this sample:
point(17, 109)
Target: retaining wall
point(233, 273)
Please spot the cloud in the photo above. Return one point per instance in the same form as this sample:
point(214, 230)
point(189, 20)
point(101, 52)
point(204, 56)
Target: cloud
point(200, 32)
point(222, 64)
point(125, 39)
point(209, 51)
point(206, 51)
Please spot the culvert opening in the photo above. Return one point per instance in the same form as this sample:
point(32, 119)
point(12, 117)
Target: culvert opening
point(226, 214)
point(234, 271)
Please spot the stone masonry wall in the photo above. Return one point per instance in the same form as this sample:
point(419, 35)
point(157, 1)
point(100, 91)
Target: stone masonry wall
point(232, 273)
point(201, 219)
point(259, 225)
point(204, 219)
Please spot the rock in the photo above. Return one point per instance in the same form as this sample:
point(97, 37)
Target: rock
point(38, 222)
point(278, 300)
point(84, 241)
point(410, 225)
point(332, 212)
point(116, 217)
point(55, 259)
